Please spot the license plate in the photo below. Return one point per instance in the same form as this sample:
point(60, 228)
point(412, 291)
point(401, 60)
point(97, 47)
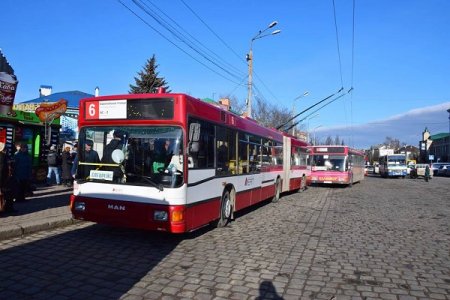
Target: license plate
point(101, 175)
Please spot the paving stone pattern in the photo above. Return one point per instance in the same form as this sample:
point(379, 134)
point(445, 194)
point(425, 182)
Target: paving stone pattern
point(381, 239)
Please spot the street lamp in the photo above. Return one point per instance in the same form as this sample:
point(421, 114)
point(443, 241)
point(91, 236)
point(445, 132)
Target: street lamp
point(314, 131)
point(316, 115)
point(293, 108)
point(259, 35)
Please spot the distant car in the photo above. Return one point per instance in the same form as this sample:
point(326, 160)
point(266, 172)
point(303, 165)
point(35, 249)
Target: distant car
point(419, 171)
point(376, 168)
point(435, 167)
point(369, 169)
point(442, 171)
point(447, 172)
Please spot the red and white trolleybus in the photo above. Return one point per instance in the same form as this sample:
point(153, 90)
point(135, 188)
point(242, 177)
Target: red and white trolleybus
point(174, 163)
point(336, 165)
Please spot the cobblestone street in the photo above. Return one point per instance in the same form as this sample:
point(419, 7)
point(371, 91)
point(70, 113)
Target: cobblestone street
point(380, 239)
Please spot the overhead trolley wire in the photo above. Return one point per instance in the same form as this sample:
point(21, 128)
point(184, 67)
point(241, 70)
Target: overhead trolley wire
point(181, 37)
point(353, 45)
point(177, 46)
point(227, 46)
point(337, 42)
point(313, 112)
point(305, 110)
point(213, 32)
point(190, 35)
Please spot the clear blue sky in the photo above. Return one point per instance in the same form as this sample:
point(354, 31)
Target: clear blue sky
point(401, 51)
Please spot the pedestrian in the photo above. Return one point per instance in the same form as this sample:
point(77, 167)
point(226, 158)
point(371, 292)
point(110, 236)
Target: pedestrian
point(53, 161)
point(73, 152)
point(5, 188)
point(22, 172)
point(89, 156)
point(162, 156)
point(427, 173)
point(66, 165)
point(114, 144)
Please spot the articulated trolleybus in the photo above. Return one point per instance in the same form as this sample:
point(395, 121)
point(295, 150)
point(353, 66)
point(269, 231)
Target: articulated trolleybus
point(174, 163)
point(336, 165)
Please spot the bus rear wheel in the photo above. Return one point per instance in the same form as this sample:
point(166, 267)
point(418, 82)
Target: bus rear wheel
point(225, 209)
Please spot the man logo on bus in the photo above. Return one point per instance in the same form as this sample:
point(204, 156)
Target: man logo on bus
point(116, 207)
point(248, 181)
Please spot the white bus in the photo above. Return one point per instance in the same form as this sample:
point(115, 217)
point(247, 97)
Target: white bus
point(393, 165)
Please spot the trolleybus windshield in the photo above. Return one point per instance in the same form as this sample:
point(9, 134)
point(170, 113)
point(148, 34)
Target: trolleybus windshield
point(138, 155)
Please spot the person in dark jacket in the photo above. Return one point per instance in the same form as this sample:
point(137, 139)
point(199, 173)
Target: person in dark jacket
point(53, 162)
point(66, 165)
point(427, 173)
point(5, 186)
point(89, 155)
point(115, 143)
point(22, 172)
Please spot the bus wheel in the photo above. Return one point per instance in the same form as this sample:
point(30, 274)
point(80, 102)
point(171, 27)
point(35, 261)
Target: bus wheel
point(276, 197)
point(225, 209)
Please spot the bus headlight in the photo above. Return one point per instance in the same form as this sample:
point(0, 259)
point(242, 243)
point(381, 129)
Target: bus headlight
point(160, 215)
point(79, 206)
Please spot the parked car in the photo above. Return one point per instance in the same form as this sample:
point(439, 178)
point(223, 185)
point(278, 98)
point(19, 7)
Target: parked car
point(442, 171)
point(447, 172)
point(435, 167)
point(419, 171)
point(368, 169)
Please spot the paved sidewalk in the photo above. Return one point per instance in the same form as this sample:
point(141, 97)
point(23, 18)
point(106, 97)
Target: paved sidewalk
point(47, 208)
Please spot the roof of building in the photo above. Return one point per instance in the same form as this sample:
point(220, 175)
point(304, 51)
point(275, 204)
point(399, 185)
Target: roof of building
point(439, 136)
point(73, 98)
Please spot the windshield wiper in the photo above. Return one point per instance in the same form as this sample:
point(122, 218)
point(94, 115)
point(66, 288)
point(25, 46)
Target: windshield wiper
point(148, 180)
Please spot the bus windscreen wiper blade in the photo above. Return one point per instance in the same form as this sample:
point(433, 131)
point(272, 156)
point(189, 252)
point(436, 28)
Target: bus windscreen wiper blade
point(148, 180)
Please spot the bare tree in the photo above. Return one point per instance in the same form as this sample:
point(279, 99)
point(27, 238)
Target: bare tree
point(270, 115)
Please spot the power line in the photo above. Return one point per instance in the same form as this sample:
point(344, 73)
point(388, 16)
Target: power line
point(305, 110)
point(190, 35)
point(167, 39)
point(227, 46)
point(180, 36)
point(337, 42)
point(213, 32)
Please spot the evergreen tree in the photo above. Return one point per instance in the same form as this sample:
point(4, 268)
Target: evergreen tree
point(148, 80)
point(337, 140)
point(329, 141)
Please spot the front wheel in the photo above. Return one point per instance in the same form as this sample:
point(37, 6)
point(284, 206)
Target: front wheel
point(225, 209)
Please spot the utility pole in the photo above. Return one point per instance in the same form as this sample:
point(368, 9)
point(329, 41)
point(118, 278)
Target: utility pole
point(250, 80)
point(259, 35)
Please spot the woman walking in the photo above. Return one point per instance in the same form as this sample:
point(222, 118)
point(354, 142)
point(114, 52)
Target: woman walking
point(66, 167)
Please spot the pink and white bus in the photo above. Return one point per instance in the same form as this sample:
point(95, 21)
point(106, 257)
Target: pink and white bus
point(336, 165)
point(170, 162)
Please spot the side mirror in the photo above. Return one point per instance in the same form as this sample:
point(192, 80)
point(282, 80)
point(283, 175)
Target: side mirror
point(194, 132)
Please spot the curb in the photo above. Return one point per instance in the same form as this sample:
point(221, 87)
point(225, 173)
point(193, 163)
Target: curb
point(19, 230)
